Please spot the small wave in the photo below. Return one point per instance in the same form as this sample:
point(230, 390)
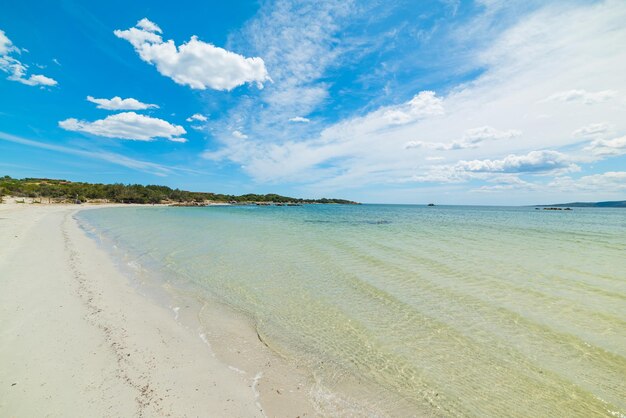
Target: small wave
point(329, 403)
point(203, 337)
point(236, 370)
point(364, 222)
point(255, 390)
point(134, 265)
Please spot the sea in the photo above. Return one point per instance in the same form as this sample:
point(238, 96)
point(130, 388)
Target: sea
point(412, 310)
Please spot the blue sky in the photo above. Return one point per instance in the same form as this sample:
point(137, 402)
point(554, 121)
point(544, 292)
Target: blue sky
point(475, 102)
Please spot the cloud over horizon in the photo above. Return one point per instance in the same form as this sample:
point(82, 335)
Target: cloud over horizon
point(608, 147)
point(543, 97)
point(533, 162)
point(471, 101)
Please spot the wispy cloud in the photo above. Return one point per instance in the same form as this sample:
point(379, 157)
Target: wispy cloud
point(279, 161)
point(113, 158)
point(583, 96)
point(542, 53)
point(239, 135)
point(299, 43)
point(16, 69)
point(472, 138)
point(507, 184)
point(592, 130)
point(609, 182)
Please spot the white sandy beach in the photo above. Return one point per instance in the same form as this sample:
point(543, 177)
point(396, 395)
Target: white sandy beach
point(76, 339)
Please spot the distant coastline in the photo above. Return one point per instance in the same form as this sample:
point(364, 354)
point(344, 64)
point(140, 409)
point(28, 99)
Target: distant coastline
point(606, 204)
point(44, 190)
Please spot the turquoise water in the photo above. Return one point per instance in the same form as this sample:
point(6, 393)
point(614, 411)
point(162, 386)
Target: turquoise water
point(452, 311)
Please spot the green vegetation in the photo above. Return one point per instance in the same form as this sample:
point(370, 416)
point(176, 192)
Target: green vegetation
point(63, 190)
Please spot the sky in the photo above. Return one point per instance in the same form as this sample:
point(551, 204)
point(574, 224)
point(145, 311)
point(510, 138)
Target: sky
point(487, 102)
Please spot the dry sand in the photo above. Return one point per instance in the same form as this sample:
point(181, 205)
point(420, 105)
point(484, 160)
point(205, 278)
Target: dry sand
point(77, 340)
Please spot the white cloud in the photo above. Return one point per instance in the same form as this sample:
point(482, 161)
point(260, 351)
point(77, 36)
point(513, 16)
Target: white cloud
point(488, 133)
point(270, 161)
point(592, 130)
point(583, 96)
point(34, 80)
point(607, 147)
point(505, 184)
point(541, 52)
point(533, 162)
point(239, 135)
point(117, 103)
point(127, 125)
point(609, 182)
point(15, 68)
point(472, 138)
point(148, 26)
point(197, 117)
point(439, 146)
point(180, 140)
point(6, 46)
point(197, 64)
point(417, 144)
point(300, 119)
point(437, 174)
point(423, 104)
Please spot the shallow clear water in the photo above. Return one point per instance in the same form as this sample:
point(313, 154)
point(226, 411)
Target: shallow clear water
point(466, 311)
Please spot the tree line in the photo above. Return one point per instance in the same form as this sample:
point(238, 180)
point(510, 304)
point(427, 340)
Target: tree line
point(63, 190)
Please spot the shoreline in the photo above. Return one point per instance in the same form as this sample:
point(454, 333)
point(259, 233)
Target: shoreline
point(281, 388)
point(101, 315)
point(73, 342)
point(285, 383)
